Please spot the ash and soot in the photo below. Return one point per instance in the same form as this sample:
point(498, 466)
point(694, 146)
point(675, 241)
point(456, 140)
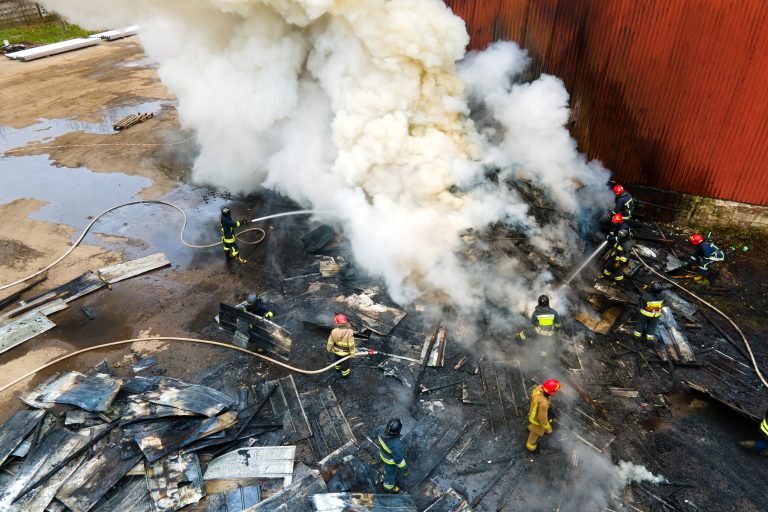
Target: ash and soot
point(361, 110)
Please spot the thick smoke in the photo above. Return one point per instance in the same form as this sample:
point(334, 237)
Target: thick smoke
point(357, 107)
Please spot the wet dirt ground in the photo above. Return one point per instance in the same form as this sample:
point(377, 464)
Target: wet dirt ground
point(50, 192)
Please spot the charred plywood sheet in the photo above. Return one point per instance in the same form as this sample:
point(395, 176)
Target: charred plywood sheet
point(175, 481)
point(473, 430)
point(236, 500)
point(213, 426)
point(318, 238)
point(189, 397)
point(56, 449)
point(505, 394)
point(676, 342)
point(436, 440)
point(139, 410)
point(78, 287)
point(685, 308)
point(329, 425)
point(39, 498)
point(353, 475)
point(257, 332)
point(254, 462)
point(586, 429)
point(93, 393)
point(730, 382)
point(133, 497)
point(451, 501)
point(97, 475)
point(13, 431)
point(23, 329)
point(378, 318)
point(287, 408)
point(346, 501)
point(128, 269)
point(293, 498)
point(169, 436)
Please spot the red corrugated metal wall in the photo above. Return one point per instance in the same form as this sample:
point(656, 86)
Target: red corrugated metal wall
point(667, 93)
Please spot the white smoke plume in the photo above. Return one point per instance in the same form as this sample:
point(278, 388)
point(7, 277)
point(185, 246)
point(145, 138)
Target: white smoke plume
point(356, 106)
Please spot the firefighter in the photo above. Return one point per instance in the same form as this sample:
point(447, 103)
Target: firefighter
point(544, 320)
point(618, 223)
point(618, 256)
point(624, 202)
point(650, 311)
point(392, 454)
point(538, 415)
point(761, 444)
point(256, 306)
point(227, 229)
point(342, 343)
point(705, 254)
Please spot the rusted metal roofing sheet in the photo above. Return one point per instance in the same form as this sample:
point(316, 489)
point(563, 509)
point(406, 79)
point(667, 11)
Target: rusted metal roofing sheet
point(666, 94)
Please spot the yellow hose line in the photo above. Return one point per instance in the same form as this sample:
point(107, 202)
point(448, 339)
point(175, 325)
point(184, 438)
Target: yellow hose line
point(164, 203)
point(686, 290)
point(175, 338)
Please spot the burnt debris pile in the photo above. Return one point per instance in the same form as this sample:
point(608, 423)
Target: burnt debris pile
point(130, 437)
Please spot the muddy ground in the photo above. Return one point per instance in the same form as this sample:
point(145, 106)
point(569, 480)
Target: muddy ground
point(64, 105)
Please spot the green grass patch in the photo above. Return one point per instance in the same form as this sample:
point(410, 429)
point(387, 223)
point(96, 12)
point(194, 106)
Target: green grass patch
point(42, 33)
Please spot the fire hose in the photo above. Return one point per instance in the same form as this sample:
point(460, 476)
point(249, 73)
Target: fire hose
point(363, 352)
point(367, 352)
point(686, 290)
point(181, 234)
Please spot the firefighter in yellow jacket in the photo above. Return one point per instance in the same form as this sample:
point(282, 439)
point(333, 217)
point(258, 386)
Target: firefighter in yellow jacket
point(538, 415)
point(341, 343)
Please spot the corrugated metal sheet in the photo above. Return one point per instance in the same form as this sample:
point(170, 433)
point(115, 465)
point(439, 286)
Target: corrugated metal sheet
point(666, 94)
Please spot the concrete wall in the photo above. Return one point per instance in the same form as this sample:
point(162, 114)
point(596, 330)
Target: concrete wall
point(697, 211)
point(21, 12)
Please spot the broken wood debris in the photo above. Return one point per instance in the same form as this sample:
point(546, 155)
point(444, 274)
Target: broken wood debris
point(343, 502)
point(175, 481)
point(254, 462)
point(254, 332)
point(433, 350)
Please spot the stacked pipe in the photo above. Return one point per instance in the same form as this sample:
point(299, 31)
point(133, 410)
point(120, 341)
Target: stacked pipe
point(131, 120)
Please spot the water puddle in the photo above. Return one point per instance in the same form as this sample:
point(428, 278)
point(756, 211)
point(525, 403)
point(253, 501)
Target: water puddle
point(72, 194)
point(46, 130)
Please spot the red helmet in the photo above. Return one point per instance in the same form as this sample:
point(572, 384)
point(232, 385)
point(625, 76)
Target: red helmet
point(550, 386)
point(618, 189)
point(617, 218)
point(696, 239)
point(340, 319)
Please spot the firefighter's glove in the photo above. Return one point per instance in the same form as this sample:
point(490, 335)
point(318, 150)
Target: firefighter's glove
point(520, 336)
point(269, 315)
point(245, 222)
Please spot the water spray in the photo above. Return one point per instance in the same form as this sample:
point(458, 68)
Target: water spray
point(586, 262)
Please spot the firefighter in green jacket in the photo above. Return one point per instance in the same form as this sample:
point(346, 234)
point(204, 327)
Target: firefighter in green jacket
point(392, 454)
point(544, 320)
point(228, 238)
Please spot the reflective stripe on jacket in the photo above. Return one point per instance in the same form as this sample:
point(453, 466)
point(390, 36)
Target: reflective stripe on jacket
point(764, 426)
point(545, 321)
point(652, 308)
point(391, 451)
point(538, 413)
point(341, 341)
point(227, 228)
